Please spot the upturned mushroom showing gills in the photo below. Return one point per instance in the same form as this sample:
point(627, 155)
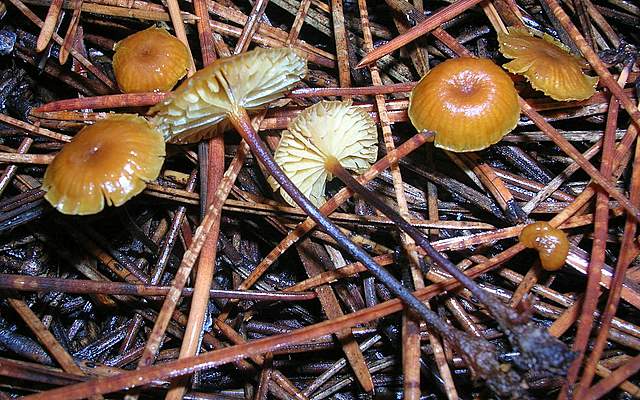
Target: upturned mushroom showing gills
point(547, 64)
point(151, 60)
point(551, 244)
point(469, 103)
point(247, 81)
point(107, 162)
point(326, 129)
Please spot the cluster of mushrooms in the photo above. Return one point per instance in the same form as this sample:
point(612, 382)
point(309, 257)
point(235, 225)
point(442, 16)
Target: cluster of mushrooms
point(466, 104)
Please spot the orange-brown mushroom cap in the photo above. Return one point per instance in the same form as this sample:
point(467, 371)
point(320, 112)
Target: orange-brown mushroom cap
point(469, 103)
point(551, 243)
point(547, 64)
point(111, 159)
point(151, 60)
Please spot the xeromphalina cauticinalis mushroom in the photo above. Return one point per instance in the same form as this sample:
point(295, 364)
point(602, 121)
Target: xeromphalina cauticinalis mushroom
point(469, 103)
point(225, 90)
point(107, 162)
point(151, 60)
point(547, 64)
point(326, 129)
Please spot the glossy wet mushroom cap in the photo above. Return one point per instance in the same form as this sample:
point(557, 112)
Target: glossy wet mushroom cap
point(151, 60)
point(327, 129)
point(250, 80)
point(469, 103)
point(547, 64)
point(107, 162)
point(551, 243)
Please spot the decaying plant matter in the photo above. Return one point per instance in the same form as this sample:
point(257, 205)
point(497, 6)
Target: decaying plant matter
point(407, 277)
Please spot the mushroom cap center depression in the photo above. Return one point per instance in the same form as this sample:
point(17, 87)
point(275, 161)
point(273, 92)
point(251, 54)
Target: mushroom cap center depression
point(155, 56)
point(100, 153)
point(469, 92)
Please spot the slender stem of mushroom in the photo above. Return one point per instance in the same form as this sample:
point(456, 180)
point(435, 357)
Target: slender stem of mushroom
point(241, 122)
point(498, 309)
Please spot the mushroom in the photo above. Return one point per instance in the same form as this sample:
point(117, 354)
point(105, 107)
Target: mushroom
point(321, 142)
point(108, 161)
point(547, 64)
point(551, 244)
point(247, 81)
point(315, 137)
point(151, 60)
point(469, 103)
point(329, 129)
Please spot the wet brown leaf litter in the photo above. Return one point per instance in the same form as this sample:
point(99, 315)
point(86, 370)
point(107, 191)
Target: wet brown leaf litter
point(319, 199)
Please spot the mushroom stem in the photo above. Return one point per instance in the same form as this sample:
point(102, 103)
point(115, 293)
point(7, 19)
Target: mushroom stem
point(480, 355)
